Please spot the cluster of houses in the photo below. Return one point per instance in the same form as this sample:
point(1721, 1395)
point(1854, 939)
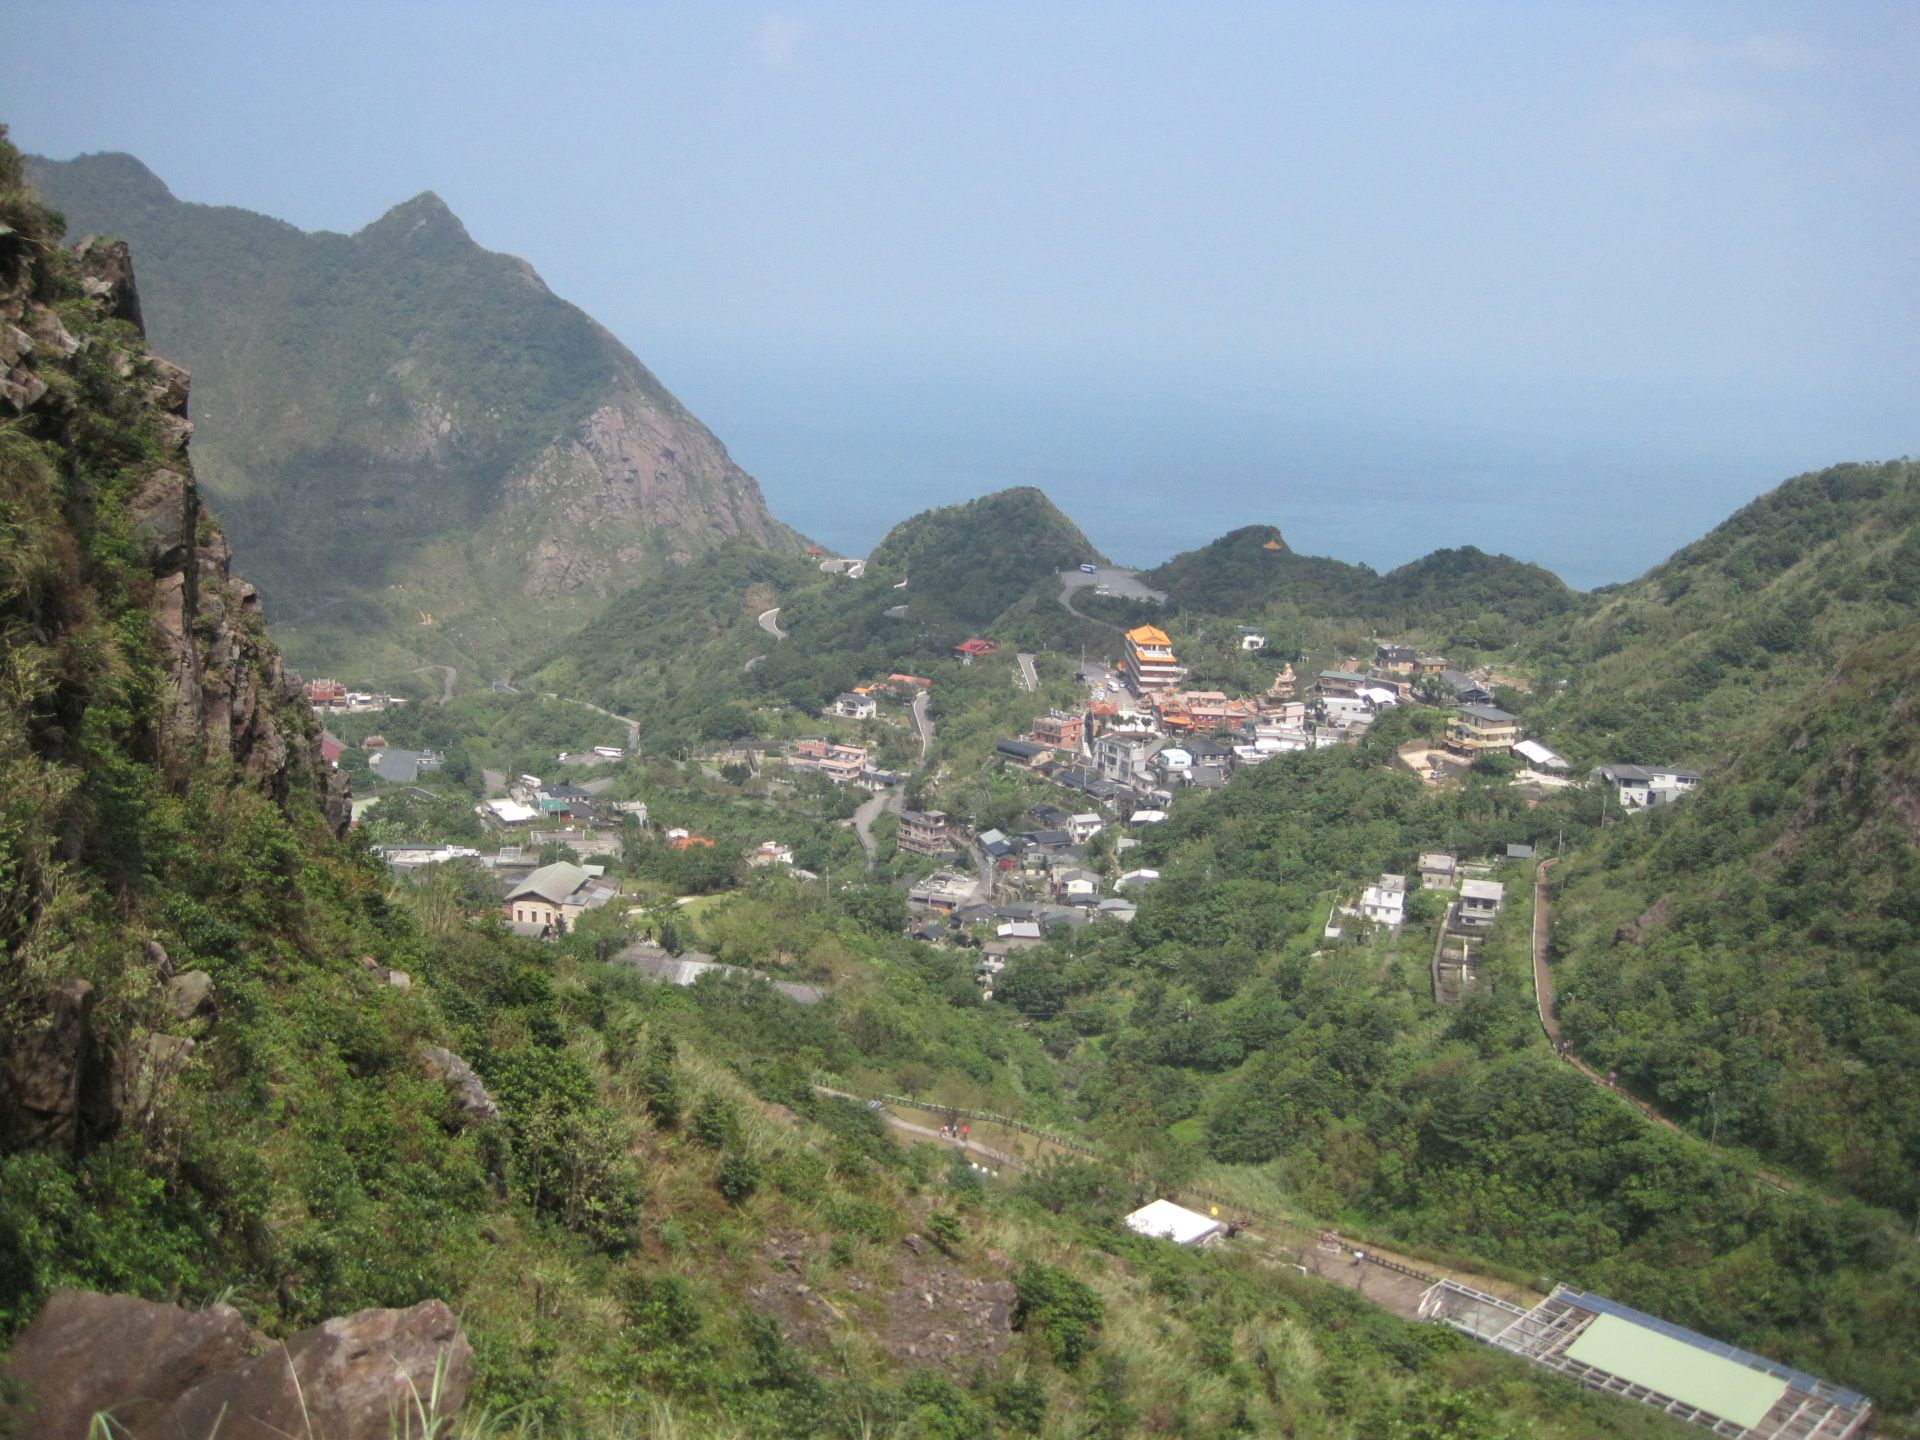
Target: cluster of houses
point(333, 697)
point(1039, 881)
point(1478, 902)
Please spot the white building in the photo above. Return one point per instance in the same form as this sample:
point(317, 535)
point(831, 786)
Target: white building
point(1385, 903)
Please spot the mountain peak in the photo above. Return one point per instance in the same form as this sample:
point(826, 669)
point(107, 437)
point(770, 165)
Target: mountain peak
point(106, 170)
point(425, 214)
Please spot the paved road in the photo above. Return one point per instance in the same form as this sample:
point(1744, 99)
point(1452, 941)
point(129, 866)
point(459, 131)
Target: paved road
point(447, 676)
point(1123, 583)
point(864, 817)
point(923, 722)
point(770, 622)
point(633, 726)
point(1029, 677)
point(748, 667)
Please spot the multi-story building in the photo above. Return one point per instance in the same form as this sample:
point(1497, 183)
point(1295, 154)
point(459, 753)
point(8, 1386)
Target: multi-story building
point(1149, 662)
point(1060, 730)
point(1478, 730)
point(839, 763)
point(923, 832)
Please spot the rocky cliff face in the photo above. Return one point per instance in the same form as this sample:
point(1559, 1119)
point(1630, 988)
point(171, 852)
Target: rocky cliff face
point(410, 437)
point(132, 662)
point(228, 696)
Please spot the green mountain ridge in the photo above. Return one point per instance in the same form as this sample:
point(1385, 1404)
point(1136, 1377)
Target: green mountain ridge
point(401, 428)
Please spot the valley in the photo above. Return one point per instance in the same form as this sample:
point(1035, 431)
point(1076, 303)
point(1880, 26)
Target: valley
point(1445, 924)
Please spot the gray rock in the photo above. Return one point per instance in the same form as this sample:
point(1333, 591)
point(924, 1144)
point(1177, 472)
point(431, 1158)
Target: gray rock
point(45, 1074)
point(190, 996)
point(85, 1354)
point(470, 1096)
point(400, 980)
point(355, 1378)
point(164, 1373)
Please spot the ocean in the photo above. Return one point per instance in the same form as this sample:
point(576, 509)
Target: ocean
point(1597, 489)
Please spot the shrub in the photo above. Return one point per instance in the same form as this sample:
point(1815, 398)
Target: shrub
point(1059, 1308)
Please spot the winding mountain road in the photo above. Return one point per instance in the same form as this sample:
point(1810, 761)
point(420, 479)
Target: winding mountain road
point(447, 676)
point(864, 817)
point(770, 622)
point(923, 722)
point(1029, 677)
point(633, 726)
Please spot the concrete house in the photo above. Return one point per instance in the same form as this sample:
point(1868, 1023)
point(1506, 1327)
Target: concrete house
point(1060, 730)
point(923, 832)
point(1122, 756)
point(557, 895)
point(851, 706)
point(1385, 901)
point(1641, 787)
point(1477, 730)
point(1438, 871)
point(1480, 902)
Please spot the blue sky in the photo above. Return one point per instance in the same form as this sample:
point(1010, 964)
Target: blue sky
point(1458, 258)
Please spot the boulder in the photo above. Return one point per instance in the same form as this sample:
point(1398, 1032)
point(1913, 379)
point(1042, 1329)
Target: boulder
point(87, 1354)
point(45, 1075)
point(357, 1378)
point(164, 1373)
point(190, 996)
point(470, 1097)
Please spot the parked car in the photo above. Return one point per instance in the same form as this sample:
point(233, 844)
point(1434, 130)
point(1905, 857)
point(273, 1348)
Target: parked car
point(1089, 570)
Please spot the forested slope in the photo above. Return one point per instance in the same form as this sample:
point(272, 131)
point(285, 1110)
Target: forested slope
point(1751, 957)
point(1713, 648)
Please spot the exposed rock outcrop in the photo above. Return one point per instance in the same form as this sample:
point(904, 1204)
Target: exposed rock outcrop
point(469, 1095)
point(165, 1373)
point(52, 1077)
point(231, 698)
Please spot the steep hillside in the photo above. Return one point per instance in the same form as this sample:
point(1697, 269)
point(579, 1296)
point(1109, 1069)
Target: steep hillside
point(1463, 596)
point(230, 1057)
point(420, 451)
point(1750, 958)
point(969, 563)
point(1711, 650)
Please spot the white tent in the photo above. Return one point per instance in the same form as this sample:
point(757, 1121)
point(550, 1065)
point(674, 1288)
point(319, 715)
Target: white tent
point(1164, 1220)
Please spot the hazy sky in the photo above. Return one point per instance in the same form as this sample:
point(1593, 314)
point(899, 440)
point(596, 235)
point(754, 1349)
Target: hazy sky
point(1179, 246)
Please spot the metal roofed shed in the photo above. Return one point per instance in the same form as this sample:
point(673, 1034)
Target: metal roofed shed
point(1164, 1220)
point(1614, 1348)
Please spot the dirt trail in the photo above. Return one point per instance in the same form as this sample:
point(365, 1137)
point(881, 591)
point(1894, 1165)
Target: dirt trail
point(1550, 1023)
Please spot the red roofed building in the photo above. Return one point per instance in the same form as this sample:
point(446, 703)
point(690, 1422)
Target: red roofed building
point(967, 651)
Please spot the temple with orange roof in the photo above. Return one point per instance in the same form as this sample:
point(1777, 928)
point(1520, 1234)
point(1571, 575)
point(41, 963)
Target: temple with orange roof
point(1149, 663)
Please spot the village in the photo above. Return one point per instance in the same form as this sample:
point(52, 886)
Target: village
point(1139, 737)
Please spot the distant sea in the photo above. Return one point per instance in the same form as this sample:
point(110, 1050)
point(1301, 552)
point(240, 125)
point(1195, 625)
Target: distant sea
point(1597, 490)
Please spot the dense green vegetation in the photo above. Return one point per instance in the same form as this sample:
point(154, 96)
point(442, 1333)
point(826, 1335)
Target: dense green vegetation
point(969, 563)
point(1463, 598)
point(1751, 960)
point(1734, 634)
